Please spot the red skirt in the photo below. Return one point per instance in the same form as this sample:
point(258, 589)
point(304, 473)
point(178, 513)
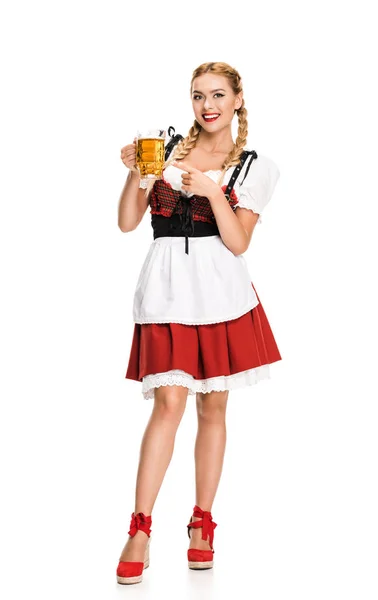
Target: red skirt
point(203, 351)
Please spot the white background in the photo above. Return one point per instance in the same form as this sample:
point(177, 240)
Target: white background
point(296, 506)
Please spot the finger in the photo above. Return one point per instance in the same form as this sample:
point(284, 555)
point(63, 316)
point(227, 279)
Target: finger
point(181, 164)
point(128, 154)
point(128, 148)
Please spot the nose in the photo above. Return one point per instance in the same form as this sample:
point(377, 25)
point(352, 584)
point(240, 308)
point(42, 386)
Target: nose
point(208, 104)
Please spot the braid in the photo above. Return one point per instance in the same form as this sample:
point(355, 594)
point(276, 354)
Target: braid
point(233, 158)
point(185, 146)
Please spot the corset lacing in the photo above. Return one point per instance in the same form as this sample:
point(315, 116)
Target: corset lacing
point(186, 219)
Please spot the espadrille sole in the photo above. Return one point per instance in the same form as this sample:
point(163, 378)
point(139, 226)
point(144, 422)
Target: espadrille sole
point(201, 565)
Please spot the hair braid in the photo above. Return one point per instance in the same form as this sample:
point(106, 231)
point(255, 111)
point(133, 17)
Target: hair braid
point(185, 146)
point(233, 158)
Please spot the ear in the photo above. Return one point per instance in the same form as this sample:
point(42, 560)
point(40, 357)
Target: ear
point(238, 100)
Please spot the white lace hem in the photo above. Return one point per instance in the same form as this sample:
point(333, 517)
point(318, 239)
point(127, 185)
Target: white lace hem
point(246, 203)
point(217, 384)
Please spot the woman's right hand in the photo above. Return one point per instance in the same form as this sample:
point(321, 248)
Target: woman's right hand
point(128, 156)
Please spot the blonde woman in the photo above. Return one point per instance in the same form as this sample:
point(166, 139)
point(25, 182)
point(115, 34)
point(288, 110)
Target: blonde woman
point(200, 328)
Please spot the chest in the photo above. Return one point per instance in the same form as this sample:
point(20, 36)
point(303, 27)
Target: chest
point(205, 161)
point(165, 200)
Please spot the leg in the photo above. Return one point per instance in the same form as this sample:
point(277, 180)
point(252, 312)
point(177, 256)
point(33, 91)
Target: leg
point(209, 453)
point(155, 456)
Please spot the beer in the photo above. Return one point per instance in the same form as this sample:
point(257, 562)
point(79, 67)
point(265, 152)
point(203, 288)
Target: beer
point(150, 157)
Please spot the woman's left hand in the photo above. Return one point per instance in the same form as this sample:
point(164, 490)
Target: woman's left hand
point(195, 181)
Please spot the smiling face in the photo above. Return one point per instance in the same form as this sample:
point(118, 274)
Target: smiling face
point(214, 101)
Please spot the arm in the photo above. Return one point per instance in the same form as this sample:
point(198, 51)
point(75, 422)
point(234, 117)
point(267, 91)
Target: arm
point(133, 203)
point(235, 228)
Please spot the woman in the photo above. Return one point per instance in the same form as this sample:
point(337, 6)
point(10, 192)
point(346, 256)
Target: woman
point(199, 325)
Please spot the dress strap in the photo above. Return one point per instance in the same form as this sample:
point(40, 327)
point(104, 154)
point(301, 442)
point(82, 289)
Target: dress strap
point(235, 174)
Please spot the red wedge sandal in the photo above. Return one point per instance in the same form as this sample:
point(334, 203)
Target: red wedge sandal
point(202, 559)
point(132, 571)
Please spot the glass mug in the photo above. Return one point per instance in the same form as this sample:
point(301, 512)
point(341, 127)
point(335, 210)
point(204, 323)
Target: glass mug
point(150, 151)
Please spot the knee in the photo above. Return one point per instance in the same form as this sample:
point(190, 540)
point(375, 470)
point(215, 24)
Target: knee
point(170, 403)
point(211, 407)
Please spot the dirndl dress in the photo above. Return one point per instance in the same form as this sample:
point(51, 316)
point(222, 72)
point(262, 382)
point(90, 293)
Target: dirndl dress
point(198, 320)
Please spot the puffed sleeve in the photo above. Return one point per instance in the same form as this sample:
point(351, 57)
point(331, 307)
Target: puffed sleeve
point(258, 186)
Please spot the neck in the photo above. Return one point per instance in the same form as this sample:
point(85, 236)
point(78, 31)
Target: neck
point(219, 141)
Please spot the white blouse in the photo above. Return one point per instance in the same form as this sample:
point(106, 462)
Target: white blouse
point(210, 284)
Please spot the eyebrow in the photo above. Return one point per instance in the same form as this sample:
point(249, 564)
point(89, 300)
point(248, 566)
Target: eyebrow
point(217, 90)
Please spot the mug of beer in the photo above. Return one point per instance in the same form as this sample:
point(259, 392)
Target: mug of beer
point(150, 153)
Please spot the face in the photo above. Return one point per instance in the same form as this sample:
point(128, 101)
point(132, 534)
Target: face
point(212, 95)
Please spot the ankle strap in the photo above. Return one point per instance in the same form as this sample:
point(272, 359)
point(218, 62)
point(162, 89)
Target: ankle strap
point(140, 521)
point(206, 522)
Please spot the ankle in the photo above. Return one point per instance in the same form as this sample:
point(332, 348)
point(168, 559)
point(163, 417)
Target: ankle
point(140, 522)
point(139, 535)
point(201, 528)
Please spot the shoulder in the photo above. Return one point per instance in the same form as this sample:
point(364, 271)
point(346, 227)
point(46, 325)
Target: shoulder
point(256, 182)
point(260, 168)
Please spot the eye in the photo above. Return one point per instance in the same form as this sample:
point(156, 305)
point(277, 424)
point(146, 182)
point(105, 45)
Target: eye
point(199, 96)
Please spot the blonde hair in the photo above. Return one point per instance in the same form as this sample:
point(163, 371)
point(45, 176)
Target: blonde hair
point(185, 146)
